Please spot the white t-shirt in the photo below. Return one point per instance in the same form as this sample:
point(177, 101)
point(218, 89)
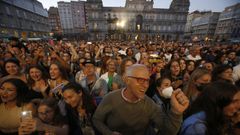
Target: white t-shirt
point(190, 57)
point(168, 56)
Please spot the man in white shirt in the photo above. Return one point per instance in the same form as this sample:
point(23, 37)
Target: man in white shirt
point(194, 53)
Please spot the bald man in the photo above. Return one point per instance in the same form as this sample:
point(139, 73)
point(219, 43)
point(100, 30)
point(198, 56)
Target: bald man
point(129, 112)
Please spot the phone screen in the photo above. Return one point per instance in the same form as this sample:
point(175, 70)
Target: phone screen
point(89, 43)
point(26, 115)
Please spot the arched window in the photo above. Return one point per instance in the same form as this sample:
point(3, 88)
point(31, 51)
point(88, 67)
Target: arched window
point(139, 21)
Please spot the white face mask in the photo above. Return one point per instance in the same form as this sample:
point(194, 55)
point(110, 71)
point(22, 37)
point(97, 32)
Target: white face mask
point(109, 54)
point(225, 62)
point(167, 92)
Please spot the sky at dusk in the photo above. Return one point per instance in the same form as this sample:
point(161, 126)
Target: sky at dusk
point(214, 5)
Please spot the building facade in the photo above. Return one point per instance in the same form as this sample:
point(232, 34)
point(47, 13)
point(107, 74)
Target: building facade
point(188, 27)
point(54, 20)
point(203, 27)
point(137, 20)
point(23, 18)
point(72, 17)
point(228, 26)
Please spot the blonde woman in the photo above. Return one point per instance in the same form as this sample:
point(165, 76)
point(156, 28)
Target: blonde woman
point(198, 80)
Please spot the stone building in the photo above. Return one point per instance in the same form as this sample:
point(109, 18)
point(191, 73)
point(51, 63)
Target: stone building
point(228, 26)
point(72, 17)
point(23, 18)
point(203, 27)
point(190, 18)
point(137, 20)
point(54, 20)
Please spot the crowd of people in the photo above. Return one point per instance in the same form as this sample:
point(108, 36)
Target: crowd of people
point(119, 88)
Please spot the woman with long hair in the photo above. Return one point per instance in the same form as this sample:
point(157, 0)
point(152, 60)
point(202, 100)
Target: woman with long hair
point(48, 120)
point(163, 93)
point(197, 81)
point(212, 112)
point(82, 106)
point(223, 73)
point(58, 78)
point(37, 82)
point(13, 93)
point(190, 67)
point(174, 72)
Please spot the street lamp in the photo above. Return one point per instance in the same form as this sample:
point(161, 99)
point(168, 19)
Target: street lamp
point(195, 38)
point(206, 38)
point(120, 24)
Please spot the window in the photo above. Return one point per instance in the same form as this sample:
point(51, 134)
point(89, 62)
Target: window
point(24, 14)
point(147, 27)
point(170, 17)
point(8, 11)
point(154, 27)
point(169, 28)
point(95, 26)
point(18, 15)
point(164, 28)
point(160, 16)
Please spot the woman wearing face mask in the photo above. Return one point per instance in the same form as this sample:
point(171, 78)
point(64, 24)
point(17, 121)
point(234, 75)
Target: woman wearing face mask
point(163, 93)
point(48, 121)
point(13, 93)
point(197, 81)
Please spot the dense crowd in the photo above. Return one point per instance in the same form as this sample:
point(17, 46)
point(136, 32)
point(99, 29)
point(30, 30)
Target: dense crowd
point(119, 88)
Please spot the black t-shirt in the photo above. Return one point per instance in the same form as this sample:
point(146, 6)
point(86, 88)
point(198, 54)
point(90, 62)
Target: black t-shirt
point(32, 94)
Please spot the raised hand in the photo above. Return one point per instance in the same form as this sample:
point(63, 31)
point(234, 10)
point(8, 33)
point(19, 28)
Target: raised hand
point(27, 126)
point(179, 102)
point(69, 44)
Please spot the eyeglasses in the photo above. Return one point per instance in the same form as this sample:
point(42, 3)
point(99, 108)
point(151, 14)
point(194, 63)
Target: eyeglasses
point(140, 80)
point(45, 113)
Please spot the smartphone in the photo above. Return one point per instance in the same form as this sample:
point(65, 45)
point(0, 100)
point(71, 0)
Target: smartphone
point(89, 43)
point(47, 49)
point(26, 115)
